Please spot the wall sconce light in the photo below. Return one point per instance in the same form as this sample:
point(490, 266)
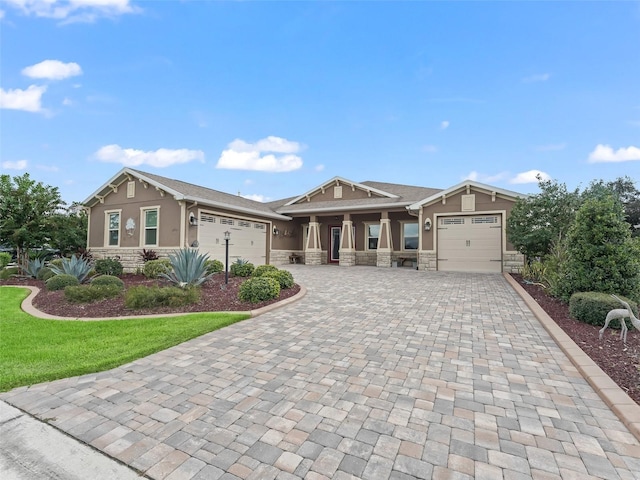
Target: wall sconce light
point(427, 224)
point(276, 232)
point(193, 220)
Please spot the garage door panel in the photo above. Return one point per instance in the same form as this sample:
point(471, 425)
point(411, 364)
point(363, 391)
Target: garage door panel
point(248, 240)
point(470, 243)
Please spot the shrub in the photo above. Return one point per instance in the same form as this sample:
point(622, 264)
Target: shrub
point(45, 274)
point(149, 297)
point(241, 268)
point(187, 268)
point(56, 263)
point(284, 278)
point(260, 270)
point(8, 272)
point(58, 282)
point(592, 307)
point(214, 266)
point(148, 255)
point(108, 266)
point(107, 280)
point(534, 272)
point(5, 259)
point(76, 266)
point(259, 289)
point(602, 257)
point(154, 268)
point(91, 293)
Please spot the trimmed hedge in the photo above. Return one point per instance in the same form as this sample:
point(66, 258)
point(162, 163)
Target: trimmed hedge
point(45, 274)
point(241, 269)
point(150, 297)
point(108, 266)
point(58, 282)
point(214, 266)
point(262, 270)
point(91, 293)
point(284, 278)
point(103, 280)
point(153, 268)
point(259, 289)
point(592, 308)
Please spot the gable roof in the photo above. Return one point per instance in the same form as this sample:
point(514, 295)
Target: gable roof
point(437, 196)
point(389, 195)
point(186, 191)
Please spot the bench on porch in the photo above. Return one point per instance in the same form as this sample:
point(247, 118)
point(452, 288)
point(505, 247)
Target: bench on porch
point(401, 260)
point(294, 258)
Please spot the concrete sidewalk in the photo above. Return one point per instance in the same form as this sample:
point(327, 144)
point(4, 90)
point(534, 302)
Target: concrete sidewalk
point(31, 450)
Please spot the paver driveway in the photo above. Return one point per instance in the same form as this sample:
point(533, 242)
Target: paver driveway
point(376, 373)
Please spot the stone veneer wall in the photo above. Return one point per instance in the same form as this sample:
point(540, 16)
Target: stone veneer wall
point(281, 257)
point(348, 259)
point(366, 258)
point(512, 262)
point(427, 261)
point(129, 257)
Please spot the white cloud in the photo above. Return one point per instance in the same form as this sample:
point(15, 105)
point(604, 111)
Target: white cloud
point(67, 102)
point(241, 155)
point(530, 176)
point(484, 178)
point(319, 167)
point(1, 14)
point(29, 100)
point(48, 168)
point(52, 70)
point(73, 10)
point(17, 165)
point(256, 197)
point(539, 77)
point(551, 147)
point(430, 148)
point(163, 157)
point(444, 124)
point(606, 154)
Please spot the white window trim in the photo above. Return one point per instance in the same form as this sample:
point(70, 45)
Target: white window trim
point(366, 236)
point(143, 226)
point(402, 224)
point(107, 214)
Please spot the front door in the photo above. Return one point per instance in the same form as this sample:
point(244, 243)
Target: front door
point(334, 243)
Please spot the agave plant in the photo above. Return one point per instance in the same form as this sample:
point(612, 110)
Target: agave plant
point(77, 266)
point(189, 268)
point(32, 267)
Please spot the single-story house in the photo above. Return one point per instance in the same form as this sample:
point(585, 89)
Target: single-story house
point(461, 228)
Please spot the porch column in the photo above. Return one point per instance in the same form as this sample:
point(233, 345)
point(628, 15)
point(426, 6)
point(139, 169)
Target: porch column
point(347, 249)
point(385, 244)
point(313, 248)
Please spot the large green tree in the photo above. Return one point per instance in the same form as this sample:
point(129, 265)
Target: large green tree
point(624, 189)
point(602, 256)
point(27, 209)
point(69, 230)
point(538, 221)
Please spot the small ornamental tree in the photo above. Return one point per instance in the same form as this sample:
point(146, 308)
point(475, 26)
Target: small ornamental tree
point(539, 221)
point(602, 257)
point(26, 211)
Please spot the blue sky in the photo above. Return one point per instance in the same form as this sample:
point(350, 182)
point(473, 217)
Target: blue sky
point(270, 99)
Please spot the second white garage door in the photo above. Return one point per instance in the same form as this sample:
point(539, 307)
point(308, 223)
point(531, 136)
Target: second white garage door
point(248, 239)
point(470, 243)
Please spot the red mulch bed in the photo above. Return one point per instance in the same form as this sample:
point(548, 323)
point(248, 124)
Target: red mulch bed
point(215, 297)
point(619, 360)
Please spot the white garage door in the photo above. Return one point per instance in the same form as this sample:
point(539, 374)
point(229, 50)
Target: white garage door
point(248, 239)
point(470, 243)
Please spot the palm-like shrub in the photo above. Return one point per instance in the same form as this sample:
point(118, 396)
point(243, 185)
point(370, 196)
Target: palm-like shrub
point(76, 266)
point(189, 268)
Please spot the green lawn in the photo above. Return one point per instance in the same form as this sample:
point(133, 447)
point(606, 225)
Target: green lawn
point(33, 350)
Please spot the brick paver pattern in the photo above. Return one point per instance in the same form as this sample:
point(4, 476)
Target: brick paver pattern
point(377, 373)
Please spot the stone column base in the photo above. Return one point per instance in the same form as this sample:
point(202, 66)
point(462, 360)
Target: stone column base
point(313, 258)
point(348, 258)
point(383, 259)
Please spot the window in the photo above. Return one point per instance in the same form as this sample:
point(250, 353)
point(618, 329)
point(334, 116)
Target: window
point(410, 234)
point(113, 229)
point(151, 227)
point(373, 233)
point(131, 189)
